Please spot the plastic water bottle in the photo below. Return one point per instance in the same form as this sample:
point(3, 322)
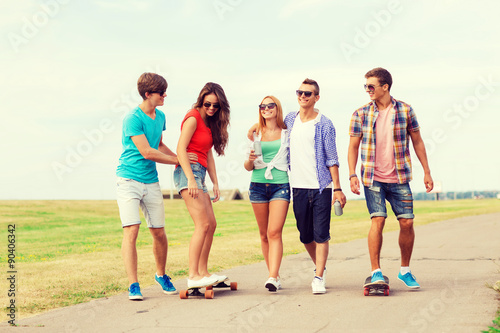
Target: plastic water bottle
point(338, 208)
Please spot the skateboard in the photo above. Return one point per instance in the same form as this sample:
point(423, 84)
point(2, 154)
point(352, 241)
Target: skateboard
point(377, 288)
point(223, 284)
point(209, 290)
point(192, 292)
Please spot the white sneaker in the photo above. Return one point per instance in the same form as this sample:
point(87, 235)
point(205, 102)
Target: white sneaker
point(220, 278)
point(318, 285)
point(324, 274)
point(272, 284)
point(202, 283)
point(278, 280)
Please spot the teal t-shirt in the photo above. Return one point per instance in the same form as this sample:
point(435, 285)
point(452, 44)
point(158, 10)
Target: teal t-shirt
point(269, 150)
point(131, 164)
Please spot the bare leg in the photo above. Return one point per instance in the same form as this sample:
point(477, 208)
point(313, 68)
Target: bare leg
point(207, 244)
point(311, 249)
point(322, 250)
point(197, 210)
point(375, 241)
point(261, 211)
point(129, 251)
point(277, 215)
point(406, 240)
point(160, 249)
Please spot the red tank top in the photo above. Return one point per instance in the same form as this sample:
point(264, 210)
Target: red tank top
point(201, 141)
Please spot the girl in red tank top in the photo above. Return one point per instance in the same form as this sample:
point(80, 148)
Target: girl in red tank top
point(203, 127)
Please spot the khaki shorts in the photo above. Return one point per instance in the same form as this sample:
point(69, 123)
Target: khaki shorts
point(132, 194)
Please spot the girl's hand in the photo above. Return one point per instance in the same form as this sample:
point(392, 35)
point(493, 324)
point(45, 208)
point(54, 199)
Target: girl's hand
point(216, 193)
point(252, 157)
point(192, 188)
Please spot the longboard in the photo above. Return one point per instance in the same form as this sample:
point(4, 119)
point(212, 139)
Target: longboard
point(209, 290)
point(377, 288)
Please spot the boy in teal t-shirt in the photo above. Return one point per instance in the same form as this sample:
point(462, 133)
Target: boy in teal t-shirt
point(137, 183)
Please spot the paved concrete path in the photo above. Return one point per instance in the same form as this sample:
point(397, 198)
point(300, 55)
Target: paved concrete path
point(453, 260)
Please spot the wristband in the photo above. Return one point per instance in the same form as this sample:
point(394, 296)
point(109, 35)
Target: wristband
point(353, 175)
point(337, 190)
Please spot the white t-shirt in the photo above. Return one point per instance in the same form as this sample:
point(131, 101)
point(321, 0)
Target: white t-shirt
point(302, 156)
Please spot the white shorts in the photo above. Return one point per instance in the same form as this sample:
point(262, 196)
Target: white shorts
point(132, 194)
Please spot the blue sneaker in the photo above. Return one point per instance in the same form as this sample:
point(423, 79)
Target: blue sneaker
point(134, 292)
point(166, 284)
point(378, 277)
point(409, 280)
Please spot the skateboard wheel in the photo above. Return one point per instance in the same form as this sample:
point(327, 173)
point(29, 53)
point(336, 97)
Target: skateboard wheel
point(183, 294)
point(210, 288)
point(234, 285)
point(366, 292)
point(209, 294)
point(386, 292)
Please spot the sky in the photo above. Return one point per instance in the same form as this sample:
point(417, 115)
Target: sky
point(69, 69)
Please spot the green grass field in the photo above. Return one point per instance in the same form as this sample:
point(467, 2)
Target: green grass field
point(68, 252)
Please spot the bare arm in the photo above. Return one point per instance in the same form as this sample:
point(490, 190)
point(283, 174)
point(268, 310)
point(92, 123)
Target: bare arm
point(419, 146)
point(249, 163)
point(352, 159)
point(337, 195)
point(213, 175)
point(187, 132)
point(149, 153)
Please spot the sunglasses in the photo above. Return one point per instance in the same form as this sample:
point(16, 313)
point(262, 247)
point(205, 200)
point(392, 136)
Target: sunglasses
point(161, 93)
point(371, 87)
point(208, 105)
point(300, 92)
point(270, 106)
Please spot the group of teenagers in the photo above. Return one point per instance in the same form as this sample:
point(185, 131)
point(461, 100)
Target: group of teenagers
point(292, 158)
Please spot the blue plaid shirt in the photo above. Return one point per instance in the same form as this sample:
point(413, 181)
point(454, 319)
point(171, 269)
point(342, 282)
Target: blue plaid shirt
point(325, 148)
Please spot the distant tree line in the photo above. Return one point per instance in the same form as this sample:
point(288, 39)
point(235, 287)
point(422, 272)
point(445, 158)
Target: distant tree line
point(456, 195)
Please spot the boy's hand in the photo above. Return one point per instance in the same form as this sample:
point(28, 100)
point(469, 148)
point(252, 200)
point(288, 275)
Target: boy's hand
point(193, 158)
point(339, 195)
point(355, 185)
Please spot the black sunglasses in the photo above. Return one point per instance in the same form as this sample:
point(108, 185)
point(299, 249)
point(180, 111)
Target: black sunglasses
point(270, 106)
point(161, 93)
point(307, 93)
point(208, 104)
point(372, 87)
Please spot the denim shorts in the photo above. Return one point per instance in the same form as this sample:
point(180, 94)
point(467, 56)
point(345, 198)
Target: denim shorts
point(131, 194)
point(264, 193)
point(313, 213)
point(199, 172)
point(395, 193)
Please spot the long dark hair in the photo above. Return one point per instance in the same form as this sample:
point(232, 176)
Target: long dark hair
point(219, 122)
